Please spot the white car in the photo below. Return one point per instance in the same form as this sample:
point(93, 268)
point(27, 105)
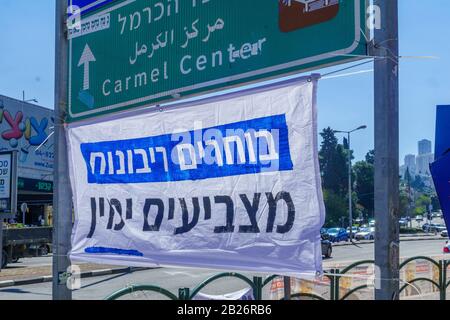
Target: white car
point(366, 234)
point(435, 215)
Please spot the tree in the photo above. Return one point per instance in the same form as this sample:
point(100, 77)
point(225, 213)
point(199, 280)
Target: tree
point(336, 208)
point(408, 178)
point(334, 170)
point(422, 204)
point(404, 203)
point(409, 192)
point(435, 203)
point(370, 157)
point(364, 186)
point(418, 184)
point(333, 163)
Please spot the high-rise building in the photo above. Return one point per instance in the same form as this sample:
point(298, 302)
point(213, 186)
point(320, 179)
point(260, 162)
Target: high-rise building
point(424, 158)
point(423, 164)
point(410, 163)
point(424, 147)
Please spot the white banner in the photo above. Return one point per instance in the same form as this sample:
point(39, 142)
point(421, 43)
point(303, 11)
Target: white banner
point(242, 295)
point(231, 183)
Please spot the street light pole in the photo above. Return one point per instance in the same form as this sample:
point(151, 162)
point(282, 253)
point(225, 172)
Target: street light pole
point(350, 189)
point(29, 100)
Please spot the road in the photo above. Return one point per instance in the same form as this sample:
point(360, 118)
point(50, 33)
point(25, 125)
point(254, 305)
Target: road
point(351, 253)
point(172, 279)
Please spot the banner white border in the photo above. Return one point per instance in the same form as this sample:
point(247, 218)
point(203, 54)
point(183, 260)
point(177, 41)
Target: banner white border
point(286, 272)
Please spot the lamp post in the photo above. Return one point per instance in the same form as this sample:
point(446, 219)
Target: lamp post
point(350, 191)
point(29, 100)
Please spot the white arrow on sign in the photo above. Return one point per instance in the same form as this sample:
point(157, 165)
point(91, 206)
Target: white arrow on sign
point(86, 58)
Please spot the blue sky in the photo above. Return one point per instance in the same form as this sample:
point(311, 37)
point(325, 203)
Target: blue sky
point(27, 63)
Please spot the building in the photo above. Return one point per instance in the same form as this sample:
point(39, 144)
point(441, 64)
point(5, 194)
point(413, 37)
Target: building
point(419, 165)
point(425, 158)
point(410, 163)
point(27, 128)
point(424, 147)
point(423, 164)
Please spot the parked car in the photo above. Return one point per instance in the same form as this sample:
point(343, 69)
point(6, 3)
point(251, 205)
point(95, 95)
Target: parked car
point(444, 233)
point(440, 227)
point(337, 234)
point(366, 234)
point(419, 218)
point(327, 248)
point(355, 230)
point(403, 222)
point(433, 227)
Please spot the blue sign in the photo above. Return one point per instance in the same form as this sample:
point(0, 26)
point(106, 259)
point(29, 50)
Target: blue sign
point(442, 130)
point(88, 5)
point(440, 170)
point(247, 147)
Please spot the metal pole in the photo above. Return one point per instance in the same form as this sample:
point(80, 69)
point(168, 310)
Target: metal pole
point(14, 183)
point(1, 243)
point(287, 288)
point(387, 152)
point(350, 202)
point(62, 202)
point(13, 200)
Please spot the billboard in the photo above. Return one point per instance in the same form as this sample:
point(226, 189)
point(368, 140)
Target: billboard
point(28, 128)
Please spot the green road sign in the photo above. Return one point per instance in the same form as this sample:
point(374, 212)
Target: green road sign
point(137, 53)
